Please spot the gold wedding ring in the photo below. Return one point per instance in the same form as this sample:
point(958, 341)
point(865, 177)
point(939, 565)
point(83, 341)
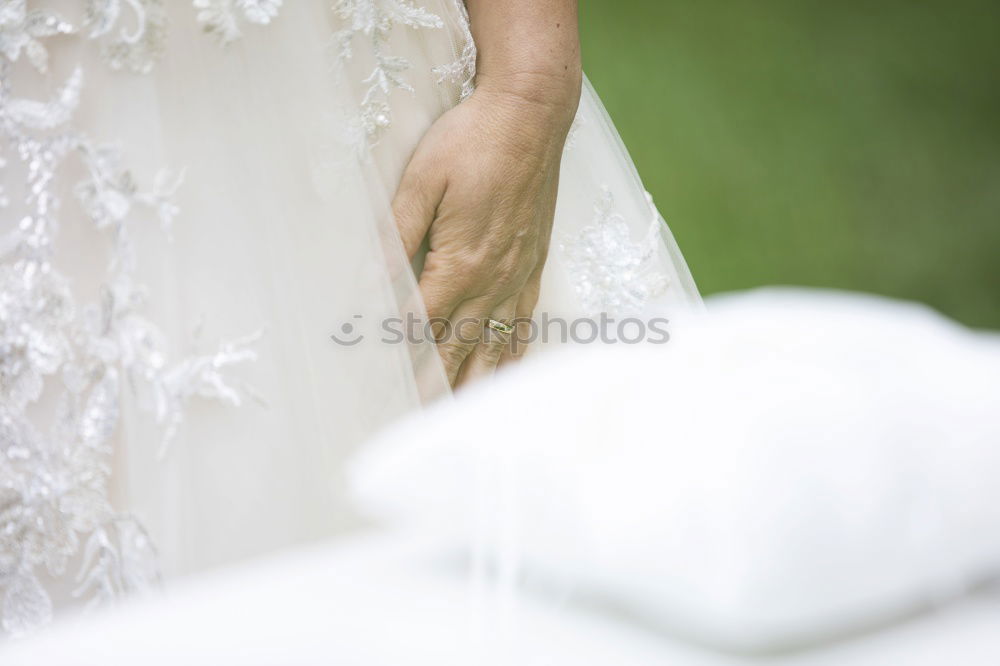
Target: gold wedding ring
point(499, 326)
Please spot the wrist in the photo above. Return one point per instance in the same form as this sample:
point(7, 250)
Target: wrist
point(529, 50)
point(551, 96)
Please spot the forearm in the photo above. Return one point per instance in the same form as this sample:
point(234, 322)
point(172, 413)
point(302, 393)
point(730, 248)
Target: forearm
point(529, 48)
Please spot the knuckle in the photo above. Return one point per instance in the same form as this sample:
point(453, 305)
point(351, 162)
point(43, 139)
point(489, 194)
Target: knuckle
point(467, 330)
point(453, 354)
point(491, 350)
point(404, 208)
point(474, 265)
point(501, 276)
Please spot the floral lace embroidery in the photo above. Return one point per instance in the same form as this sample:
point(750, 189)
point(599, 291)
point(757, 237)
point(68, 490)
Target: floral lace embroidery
point(610, 272)
point(463, 69)
point(54, 481)
point(375, 19)
point(222, 17)
point(136, 50)
point(21, 30)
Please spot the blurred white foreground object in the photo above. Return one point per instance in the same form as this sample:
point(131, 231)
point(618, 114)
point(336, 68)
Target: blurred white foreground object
point(371, 603)
point(796, 466)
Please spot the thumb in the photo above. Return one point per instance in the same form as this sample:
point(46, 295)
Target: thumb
point(415, 205)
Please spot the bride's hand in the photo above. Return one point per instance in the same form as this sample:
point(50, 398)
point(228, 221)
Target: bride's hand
point(481, 189)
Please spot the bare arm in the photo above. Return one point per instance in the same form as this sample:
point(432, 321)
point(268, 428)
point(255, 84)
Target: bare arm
point(481, 186)
point(530, 48)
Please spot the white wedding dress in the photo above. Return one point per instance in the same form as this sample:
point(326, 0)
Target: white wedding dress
point(196, 198)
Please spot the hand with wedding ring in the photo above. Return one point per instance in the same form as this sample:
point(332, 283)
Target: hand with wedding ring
point(481, 189)
point(481, 185)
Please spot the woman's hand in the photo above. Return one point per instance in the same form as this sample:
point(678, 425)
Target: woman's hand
point(481, 188)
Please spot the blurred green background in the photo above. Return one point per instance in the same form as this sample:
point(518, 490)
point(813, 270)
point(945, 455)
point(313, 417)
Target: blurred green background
point(852, 145)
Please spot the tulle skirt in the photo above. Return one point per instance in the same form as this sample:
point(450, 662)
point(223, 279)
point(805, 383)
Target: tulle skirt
point(272, 278)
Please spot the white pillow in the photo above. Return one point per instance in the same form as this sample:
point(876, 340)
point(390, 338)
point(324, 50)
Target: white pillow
point(795, 465)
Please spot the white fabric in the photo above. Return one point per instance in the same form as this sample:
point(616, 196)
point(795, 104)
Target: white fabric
point(285, 227)
point(795, 465)
point(362, 603)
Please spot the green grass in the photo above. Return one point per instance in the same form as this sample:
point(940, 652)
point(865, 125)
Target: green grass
point(816, 143)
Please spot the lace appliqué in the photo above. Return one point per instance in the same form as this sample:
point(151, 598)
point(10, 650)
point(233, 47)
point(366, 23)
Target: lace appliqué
point(133, 42)
point(463, 69)
point(375, 20)
point(21, 30)
point(222, 18)
point(54, 481)
point(610, 272)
